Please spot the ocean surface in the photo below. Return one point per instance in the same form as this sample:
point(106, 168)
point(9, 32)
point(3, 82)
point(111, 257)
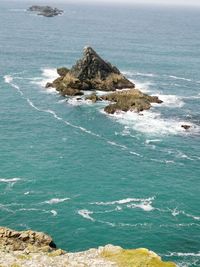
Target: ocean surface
point(87, 178)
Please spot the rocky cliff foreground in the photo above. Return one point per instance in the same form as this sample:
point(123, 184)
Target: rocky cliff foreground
point(29, 248)
point(95, 74)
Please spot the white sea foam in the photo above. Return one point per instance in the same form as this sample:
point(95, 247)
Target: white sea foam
point(29, 209)
point(150, 141)
point(8, 78)
point(56, 200)
point(133, 225)
point(183, 254)
point(135, 154)
point(145, 74)
point(181, 155)
point(4, 208)
point(176, 212)
point(52, 113)
point(140, 203)
point(171, 101)
point(123, 201)
point(10, 180)
point(116, 144)
point(54, 213)
point(146, 206)
point(143, 86)
point(48, 75)
point(108, 223)
point(180, 78)
point(192, 97)
point(78, 101)
point(32, 105)
point(152, 123)
point(117, 208)
point(133, 73)
point(86, 214)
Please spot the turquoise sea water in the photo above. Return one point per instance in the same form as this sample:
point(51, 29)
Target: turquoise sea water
point(84, 177)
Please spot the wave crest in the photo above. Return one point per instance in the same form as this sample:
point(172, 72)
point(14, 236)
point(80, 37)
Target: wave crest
point(56, 200)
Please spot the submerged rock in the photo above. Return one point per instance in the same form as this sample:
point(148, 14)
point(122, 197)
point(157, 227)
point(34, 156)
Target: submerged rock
point(33, 253)
point(186, 127)
point(46, 11)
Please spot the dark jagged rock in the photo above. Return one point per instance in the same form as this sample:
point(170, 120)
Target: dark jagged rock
point(92, 73)
point(46, 11)
point(62, 71)
point(185, 126)
point(92, 66)
point(21, 240)
point(133, 100)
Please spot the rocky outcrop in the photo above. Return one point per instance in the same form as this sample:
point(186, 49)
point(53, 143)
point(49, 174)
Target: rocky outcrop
point(133, 100)
point(35, 249)
point(46, 11)
point(11, 240)
point(90, 73)
point(95, 74)
point(186, 126)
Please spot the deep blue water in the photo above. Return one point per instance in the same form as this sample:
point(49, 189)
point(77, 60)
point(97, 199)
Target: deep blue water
point(84, 177)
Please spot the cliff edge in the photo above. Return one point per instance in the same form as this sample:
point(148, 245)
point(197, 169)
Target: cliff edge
point(29, 248)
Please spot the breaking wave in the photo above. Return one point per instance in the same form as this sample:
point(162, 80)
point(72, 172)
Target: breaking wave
point(86, 214)
point(180, 78)
point(171, 101)
point(183, 254)
point(48, 75)
point(10, 180)
point(56, 200)
point(141, 203)
point(152, 123)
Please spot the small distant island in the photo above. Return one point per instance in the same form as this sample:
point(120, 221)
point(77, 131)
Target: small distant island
point(45, 11)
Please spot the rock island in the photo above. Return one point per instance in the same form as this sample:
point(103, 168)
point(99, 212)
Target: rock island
point(45, 11)
point(92, 73)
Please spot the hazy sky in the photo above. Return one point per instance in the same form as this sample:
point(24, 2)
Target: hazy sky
point(165, 2)
point(160, 2)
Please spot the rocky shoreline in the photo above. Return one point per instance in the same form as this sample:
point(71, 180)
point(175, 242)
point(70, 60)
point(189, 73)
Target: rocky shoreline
point(92, 73)
point(29, 248)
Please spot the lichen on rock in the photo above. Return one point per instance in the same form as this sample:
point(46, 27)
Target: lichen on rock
point(134, 257)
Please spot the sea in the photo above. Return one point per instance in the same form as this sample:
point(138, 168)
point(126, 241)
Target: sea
point(87, 178)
